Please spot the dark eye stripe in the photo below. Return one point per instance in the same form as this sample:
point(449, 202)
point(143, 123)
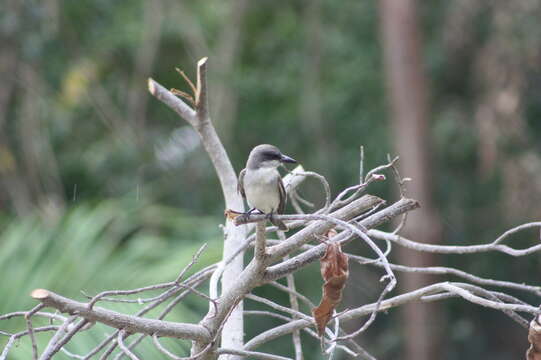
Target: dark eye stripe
point(272, 155)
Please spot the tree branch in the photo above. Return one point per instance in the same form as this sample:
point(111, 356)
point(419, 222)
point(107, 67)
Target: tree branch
point(234, 236)
point(117, 320)
point(468, 249)
point(280, 270)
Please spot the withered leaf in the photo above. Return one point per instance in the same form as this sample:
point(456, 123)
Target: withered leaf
point(335, 271)
point(534, 337)
point(232, 214)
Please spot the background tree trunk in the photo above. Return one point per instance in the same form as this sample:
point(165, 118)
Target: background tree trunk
point(407, 88)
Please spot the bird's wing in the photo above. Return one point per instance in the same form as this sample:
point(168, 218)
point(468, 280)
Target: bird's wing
point(283, 196)
point(240, 184)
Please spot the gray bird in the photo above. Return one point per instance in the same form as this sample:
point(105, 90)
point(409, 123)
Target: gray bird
point(261, 185)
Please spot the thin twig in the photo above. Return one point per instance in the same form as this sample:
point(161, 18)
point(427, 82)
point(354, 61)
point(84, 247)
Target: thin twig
point(251, 354)
point(496, 245)
point(49, 350)
point(188, 81)
point(294, 303)
point(63, 341)
point(47, 315)
point(13, 338)
point(163, 350)
point(123, 347)
point(195, 258)
point(28, 318)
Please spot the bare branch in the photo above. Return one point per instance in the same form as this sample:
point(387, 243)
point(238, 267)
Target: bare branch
point(294, 303)
point(200, 120)
point(123, 347)
point(57, 343)
point(121, 321)
point(28, 317)
point(39, 313)
point(251, 354)
point(14, 337)
point(48, 352)
point(294, 293)
point(455, 288)
point(322, 180)
point(195, 257)
point(441, 270)
point(162, 349)
point(467, 249)
point(278, 307)
point(179, 106)
point(194, 280)
point(261, 255)
point(277, 271)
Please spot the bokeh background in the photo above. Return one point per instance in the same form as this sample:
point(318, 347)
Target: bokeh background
point(104, 187)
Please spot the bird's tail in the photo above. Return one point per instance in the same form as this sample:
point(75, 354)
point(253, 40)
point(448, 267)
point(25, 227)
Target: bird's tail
point(279, 223)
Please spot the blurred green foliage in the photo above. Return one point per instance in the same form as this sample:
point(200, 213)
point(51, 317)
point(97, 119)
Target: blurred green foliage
point(93, 248)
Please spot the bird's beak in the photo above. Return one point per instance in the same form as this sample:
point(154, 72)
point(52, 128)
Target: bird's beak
point(287, 159)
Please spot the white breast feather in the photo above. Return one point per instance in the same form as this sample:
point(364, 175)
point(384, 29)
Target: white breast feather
point(261, 189)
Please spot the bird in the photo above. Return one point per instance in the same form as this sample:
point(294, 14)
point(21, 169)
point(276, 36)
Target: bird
point(261, 185)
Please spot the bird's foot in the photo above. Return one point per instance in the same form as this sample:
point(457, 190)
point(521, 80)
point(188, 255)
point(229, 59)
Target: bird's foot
point(243, 218)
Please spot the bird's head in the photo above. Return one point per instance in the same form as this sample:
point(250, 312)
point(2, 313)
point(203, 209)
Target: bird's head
point(267, 156)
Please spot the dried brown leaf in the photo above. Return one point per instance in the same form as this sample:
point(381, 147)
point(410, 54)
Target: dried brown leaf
point(232, 214)
point(534, 337)
point(334, 271)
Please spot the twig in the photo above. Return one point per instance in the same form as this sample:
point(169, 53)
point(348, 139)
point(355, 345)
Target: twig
point(324, 183)
point(275, 306)
point(163, 350)
point(162, 315)
point(251, 354)
point(278, 249)
point(402, 191)
point(102, 295)
point(14, 337)
point(123, 347)
point(466, 249)
point(195, 258)
point(294, 303)
point(372, 176)
point(53, 348)
point(39, 313)
point(361, 164)
point(331, 349)
point(306, 329)
point(28, 318)
point(441, 270)
point(49, 350)
point(388, 304)
point(188, 81)
point(294, 293)
point(121, 321)
point(277, 271)
point(111, 348)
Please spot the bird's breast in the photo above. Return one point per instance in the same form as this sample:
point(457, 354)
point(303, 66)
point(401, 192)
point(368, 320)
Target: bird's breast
point(261, 188)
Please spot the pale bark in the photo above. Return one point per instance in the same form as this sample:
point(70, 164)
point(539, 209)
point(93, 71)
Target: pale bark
point(233, 330)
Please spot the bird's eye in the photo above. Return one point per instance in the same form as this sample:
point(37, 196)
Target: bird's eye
point(272, 155)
